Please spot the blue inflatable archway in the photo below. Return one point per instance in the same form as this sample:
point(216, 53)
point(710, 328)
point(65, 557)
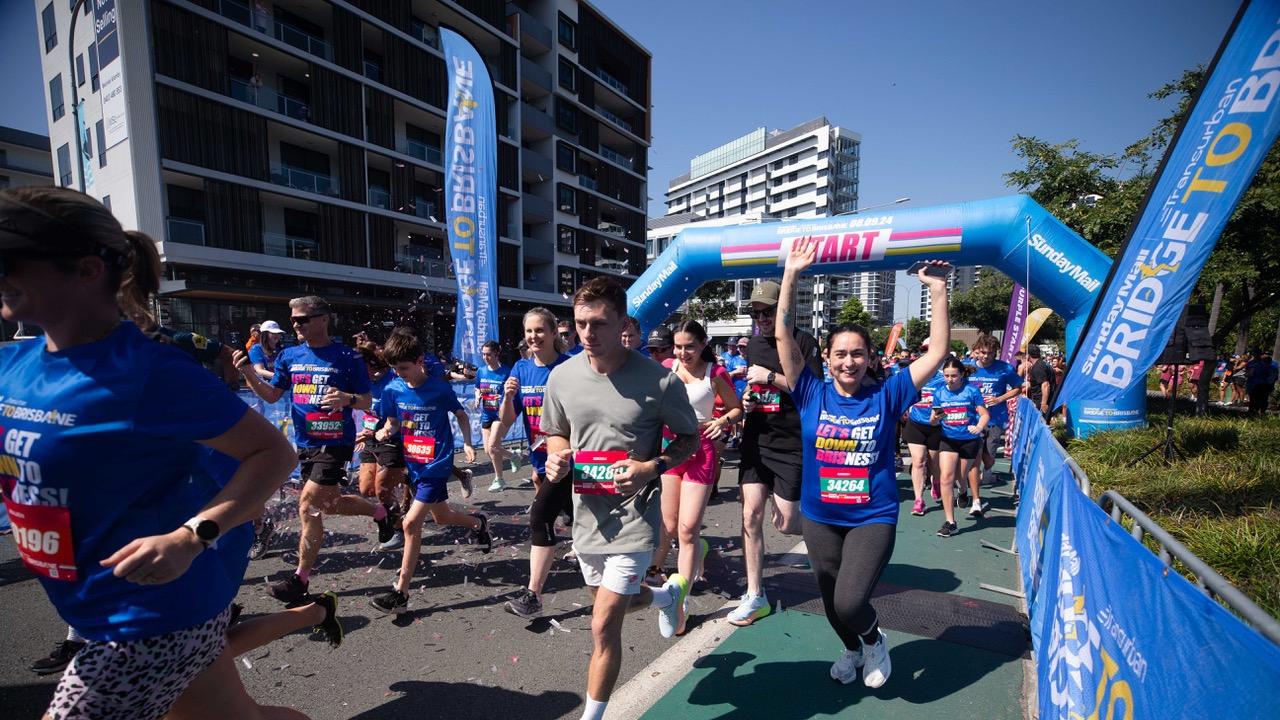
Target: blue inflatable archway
point(1013, 234)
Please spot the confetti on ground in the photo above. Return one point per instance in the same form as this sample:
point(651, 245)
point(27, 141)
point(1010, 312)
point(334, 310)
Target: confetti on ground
point(556, 624)
point(246, 662)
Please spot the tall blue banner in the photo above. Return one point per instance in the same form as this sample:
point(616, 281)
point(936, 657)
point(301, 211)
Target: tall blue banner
point(470, 195)
point(1228, 132)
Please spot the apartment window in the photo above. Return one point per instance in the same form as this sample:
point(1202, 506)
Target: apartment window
point(566, 116)
point(100, 131)
point(64, 165)
point(80, 71)
point(566, 199)
point(566, 157)
point(568, 75)
point(568, 32)
point(793, 193)
point(55, 97)
point(50, 23)
point(93, 67)
point(106, 201)
point(567, 240)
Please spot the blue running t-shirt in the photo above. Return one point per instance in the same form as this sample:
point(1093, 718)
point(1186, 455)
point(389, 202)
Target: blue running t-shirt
point(959, 411)
point(425, 431)
point(305, 374)
point(528, 404)
point(995, 380)
point(489, 383)
point(922, 408)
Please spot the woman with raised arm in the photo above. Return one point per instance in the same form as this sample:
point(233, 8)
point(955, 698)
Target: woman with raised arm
point(849, 493)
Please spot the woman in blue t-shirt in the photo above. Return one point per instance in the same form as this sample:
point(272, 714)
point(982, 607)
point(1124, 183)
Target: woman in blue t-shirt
point(264, 352)
point(848, 490)
point(114, 504)
point(961, 411)
point(490, 380)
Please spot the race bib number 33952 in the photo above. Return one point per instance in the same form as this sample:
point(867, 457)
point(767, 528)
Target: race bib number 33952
point(593, 471)
point(43, 537)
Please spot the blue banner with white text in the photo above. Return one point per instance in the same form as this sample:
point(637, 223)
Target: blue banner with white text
point(470, 195)
point(1227, 134)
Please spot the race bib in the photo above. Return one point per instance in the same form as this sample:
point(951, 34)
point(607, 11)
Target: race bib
point(926, 400)
point(956, 417)
point(489, 401)
point(844, 485)
point(420, 448)
point(324, 425)
point(768, 398)
point(369, 422)
point(593, 471)
point(43, 537)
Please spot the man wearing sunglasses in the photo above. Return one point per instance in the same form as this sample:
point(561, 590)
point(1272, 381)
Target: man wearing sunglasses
point(325, 381)
point(771, 462)
point(568, 337)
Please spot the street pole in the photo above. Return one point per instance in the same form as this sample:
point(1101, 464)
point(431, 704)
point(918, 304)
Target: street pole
point(78, 163)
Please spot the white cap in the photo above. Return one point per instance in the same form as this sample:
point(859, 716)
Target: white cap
point(270, 326)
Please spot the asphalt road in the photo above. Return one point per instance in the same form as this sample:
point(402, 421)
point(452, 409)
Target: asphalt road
point(457, 653)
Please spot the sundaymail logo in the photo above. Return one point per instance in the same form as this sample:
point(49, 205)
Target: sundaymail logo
point(653, 287)
point(1063, 263)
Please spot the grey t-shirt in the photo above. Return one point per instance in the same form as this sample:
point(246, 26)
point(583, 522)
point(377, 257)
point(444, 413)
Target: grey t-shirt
point(620, 412)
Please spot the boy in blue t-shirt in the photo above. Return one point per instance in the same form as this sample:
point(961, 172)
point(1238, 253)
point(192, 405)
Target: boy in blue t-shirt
point(999, 382)
point(417, 407)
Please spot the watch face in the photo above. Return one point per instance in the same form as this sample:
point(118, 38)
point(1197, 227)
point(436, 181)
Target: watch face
point(207, 530)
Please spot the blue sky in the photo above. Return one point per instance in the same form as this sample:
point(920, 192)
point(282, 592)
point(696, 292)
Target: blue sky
point(936, 89)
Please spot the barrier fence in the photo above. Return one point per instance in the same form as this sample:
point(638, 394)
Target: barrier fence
point(1116, 631)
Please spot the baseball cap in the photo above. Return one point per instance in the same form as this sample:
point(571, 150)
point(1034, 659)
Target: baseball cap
point(270, 326)
point(660, 337)
point(742, 341)
point(766, 292)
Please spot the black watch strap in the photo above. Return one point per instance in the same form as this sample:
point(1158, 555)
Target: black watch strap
point(660, 464)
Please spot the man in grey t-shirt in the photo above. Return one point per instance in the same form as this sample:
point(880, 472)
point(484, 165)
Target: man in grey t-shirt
point(603, 414)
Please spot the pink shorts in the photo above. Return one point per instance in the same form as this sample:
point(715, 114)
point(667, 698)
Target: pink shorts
point(701, 468)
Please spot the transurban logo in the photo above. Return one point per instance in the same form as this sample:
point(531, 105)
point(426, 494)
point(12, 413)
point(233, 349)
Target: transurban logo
point(1064, 265)
point(652, 287)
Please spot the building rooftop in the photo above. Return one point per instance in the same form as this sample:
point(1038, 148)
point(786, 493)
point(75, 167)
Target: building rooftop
point(668, 220)
point(773, 138)
point(14, 136)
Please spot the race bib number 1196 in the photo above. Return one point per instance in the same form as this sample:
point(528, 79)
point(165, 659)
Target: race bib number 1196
point(43, 537)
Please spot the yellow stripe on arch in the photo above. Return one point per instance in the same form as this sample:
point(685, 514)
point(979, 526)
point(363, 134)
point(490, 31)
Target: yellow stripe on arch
point(923, 249)
point(726, 262)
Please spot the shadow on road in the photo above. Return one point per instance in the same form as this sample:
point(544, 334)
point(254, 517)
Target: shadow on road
point(461, 701)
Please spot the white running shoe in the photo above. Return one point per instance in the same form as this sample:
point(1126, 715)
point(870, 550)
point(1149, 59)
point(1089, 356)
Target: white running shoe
point(395, 542)
point(497, 485)
point(845, 670)
point(876, 666)
point(465, 481)
point(667, 616)
point(752, 608)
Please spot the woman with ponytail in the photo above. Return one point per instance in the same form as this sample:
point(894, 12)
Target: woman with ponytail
point(116, 509)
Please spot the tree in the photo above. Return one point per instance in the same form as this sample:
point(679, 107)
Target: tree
point(915, 332)
point(852, 313)
point(713, 301)
point(986, 307)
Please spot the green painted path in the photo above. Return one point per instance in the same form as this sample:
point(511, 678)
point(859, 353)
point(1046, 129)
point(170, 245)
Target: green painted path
point(958, 650)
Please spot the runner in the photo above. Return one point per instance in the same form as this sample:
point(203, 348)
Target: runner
point(263, 353)
point(770, 464)
point(922, 438)
point(490, 380)
point(523, 396)
point(999, 382)
point(850, 492)
point(326, 381)
point(686, 489)
point(417, 408)
point(381, 463)
point(568, 338)
point(631, 336)
point(659, 344)
point(132, 564)
point(960, 410)
point(604, 413)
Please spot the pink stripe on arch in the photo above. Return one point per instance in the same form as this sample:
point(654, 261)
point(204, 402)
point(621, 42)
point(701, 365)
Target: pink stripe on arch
point(750, 248)
point(924, 234)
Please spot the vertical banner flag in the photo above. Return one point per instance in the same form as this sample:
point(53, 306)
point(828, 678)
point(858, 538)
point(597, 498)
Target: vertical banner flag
point(471, 188)
point(1033, 324)
point(106, 33)
point(1013, 325)
point(86, 154)
point(894, 335)
point(1225, 137)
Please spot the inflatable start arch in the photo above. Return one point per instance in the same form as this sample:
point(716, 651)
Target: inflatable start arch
point(1013, 234)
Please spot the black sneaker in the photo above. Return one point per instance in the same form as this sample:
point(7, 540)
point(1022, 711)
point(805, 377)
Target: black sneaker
point(481, 536)
point(262, 539)
point(58, 660)
point(330, 626)
point(393, 602)
point(948, 529)
point(387, 525)
point(289, 590)
point(963, 500)
point(525, 604)
point(236, 610)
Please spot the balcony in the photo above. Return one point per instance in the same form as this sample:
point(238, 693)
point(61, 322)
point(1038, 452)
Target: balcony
point(588, 182)
point(187, 232)
point(537, 209)
point(422, 151)
point(534, 35)
point(424, 209)
point(378, 197)
point(416, 263)
point(262, 21)
point(282, 245)
point(617, 158)
point(610, 228)
point(535, 123)
point(533, 166)
point(268, 99)
point(614, 118)
point(373, 71)
point(535, 79)
point(612, 82)
point(306, 180)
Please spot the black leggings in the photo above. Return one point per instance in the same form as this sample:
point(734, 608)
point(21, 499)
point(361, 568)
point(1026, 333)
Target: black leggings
point(848, 562)
point(552, 499)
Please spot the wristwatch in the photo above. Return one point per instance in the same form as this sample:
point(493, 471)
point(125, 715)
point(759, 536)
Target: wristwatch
point(205, 530)
point(660, 465)
point(770, 378)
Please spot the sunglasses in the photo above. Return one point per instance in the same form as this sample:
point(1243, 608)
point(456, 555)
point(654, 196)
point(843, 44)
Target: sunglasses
point(760, 314)
point(304, 319)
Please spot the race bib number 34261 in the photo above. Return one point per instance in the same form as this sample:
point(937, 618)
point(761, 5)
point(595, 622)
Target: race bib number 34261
point(43, 537)
point(593, 471)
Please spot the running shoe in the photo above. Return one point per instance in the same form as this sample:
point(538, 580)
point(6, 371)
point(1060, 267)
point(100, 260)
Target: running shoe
point(918, 508)
point(525, 604)
point(497, 485)
point(845, 670)
point(934, 492)
point(948, 529)
point(387, 525)
point(395, 542)
point(236, 610)
point(330, 626)
point(978, 510)
point(752, 608)
point(668, 615)
point(465, 481)
point(262, 539)
point(875, 661)
point(480, 536)
point(289, 590)
point(571, 556)
point(58, 660)
point(963, 498)
point(394, 602)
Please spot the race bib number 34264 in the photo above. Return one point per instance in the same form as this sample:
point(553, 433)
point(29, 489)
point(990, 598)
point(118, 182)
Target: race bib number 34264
point(43, 537)
point(593, 471)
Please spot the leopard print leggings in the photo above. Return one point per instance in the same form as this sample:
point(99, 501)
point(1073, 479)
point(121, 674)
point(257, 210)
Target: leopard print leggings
point(137, 679)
